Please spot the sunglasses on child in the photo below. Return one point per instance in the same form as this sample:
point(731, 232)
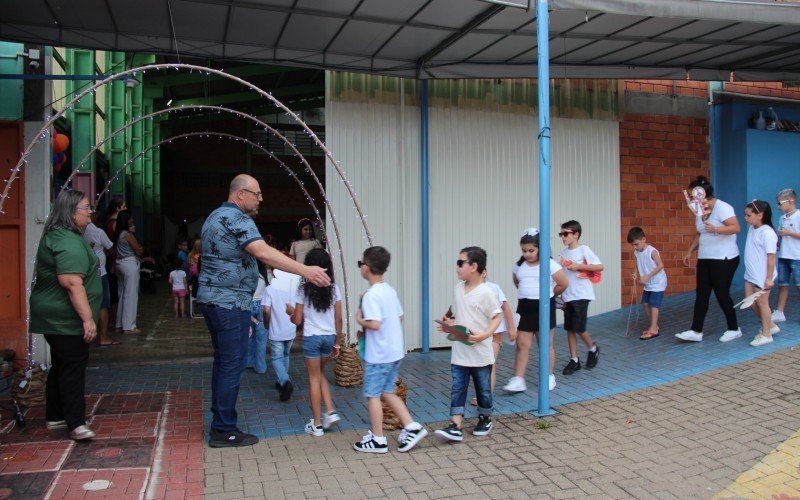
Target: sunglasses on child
point(781, 202)
point(566, 233)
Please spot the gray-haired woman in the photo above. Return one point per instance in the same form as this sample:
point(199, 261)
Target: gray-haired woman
point(64, 306)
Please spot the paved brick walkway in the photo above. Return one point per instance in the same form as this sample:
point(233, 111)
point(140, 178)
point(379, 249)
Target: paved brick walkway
point(661, 418)
point(685, 439)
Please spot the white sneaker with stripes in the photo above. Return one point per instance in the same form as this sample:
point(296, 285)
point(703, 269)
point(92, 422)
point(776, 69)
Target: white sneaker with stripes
point(372, 444)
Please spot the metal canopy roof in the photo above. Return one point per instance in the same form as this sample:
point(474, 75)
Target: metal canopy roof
point(658, 39)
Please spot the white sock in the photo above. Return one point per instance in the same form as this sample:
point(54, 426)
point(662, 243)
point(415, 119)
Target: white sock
point(379, 439)
point(413, 426)
point(574, 359)
point(593, 349)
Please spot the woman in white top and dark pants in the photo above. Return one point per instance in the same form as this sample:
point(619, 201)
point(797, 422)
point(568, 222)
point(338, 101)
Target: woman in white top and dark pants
point(717, 260)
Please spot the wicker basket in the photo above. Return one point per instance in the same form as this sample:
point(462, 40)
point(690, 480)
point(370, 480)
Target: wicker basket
point(390, 420)
point(33, 394)
point(348, 371)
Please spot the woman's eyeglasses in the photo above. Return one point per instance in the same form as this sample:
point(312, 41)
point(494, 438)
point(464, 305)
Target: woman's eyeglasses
point(89, 208)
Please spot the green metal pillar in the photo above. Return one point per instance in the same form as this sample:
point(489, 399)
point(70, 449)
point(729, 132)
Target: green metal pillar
point(115, 118)
point(137, 145)
point(157, 235)
point(147, 161)
point(81, 115)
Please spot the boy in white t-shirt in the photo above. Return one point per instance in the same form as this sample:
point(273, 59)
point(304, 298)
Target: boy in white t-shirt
point(650, 273)
point(789, 251)
point(475, 307)
point(282, 331)
point(583, 269)
point(381, 316)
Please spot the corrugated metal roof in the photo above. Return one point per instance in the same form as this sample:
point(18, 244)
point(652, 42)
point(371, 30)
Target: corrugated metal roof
point(757, 39)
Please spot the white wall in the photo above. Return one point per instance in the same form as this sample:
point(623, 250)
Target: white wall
point(483, 191)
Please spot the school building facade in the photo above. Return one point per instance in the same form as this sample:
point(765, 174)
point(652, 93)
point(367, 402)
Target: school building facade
point(622, 153)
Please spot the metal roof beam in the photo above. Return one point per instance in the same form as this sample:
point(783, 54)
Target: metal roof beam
point(455, 37)
point(245, 96)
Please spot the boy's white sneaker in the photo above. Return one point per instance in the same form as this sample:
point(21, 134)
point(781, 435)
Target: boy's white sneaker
point(330, 418)
point(760, 340)
point(552, 381)
point(778, 316)
point(731, 335)
point(410, 437)
point(372, 444)
point(690, 336)
point(314, 430)
point(515, 384)
point(773, 330)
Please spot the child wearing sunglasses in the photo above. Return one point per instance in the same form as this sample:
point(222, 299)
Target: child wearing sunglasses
point(475, 306)
point(788, 251)
point(759, 266)
point(578, 261)
point(381, 316)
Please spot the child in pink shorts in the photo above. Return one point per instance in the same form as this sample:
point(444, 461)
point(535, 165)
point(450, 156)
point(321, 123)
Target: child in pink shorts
point(177, 279)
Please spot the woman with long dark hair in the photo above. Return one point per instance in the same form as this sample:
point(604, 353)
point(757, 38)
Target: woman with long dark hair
point(717, 260)
point(129, 251)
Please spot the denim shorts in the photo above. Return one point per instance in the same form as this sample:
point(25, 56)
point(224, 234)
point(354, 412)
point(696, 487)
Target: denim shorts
point(318, 346)
point(380, 378)
point(788, 269)
point(106, 302)
point(653, 298)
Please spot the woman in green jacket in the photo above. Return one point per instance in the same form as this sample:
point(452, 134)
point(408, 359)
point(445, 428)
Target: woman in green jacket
point(64, 306)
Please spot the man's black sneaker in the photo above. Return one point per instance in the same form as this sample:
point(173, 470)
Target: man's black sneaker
point(278, 385)
point(231, 439)
point(572, 367)
point(286, 391)
point(483, 427)
point(591, 360)
point(451, 432)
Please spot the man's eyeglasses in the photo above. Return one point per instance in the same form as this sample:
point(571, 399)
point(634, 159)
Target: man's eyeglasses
point(565, 233)
point(360, 263)
point(89, 208)
point(461, 262)
point(257, 194)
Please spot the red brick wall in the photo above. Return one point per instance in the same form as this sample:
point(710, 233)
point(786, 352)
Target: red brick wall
point(659, 156)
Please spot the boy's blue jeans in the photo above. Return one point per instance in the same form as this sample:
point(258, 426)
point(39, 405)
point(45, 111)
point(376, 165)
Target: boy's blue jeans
point(257, 344)
point(280, 358)
point(481, 378)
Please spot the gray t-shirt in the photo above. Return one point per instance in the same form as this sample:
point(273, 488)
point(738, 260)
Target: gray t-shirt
point(229, 274)
point(124, 248)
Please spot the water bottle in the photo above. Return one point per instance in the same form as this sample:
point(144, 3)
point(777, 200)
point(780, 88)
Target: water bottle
point(761, 123)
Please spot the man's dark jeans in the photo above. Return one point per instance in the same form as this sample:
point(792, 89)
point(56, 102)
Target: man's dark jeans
point(229, 339)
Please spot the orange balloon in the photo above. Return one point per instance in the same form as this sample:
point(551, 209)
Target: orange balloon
point(60, 143)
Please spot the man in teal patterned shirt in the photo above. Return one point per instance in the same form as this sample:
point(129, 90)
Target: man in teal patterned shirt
point(232, 246)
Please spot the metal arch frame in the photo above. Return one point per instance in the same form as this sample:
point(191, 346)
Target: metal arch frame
point(191, 67)
point(266, 127)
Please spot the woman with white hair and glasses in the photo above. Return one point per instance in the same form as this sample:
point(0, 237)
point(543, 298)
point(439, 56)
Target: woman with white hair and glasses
point(64, 306)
